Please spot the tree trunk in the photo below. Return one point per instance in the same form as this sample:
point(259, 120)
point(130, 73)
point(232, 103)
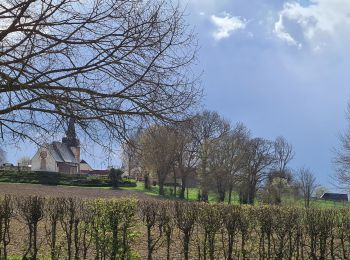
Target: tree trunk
point(230, 194)
point(183, 186)
point(146, 182)
point(161, 187)
point(175, 183)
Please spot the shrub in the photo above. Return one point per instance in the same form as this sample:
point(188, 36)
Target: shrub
point(115, 177)
point(115, 229)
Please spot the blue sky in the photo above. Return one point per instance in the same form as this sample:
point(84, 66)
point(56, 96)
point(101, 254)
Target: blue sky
point(279, 67)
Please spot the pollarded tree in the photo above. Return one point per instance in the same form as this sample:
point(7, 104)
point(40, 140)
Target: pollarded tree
point(110, 65)
point(158, 149)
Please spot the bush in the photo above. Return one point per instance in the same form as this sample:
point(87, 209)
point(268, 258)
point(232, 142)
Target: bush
point(115, 177)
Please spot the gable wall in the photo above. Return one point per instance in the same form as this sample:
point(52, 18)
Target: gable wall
point(51, 165)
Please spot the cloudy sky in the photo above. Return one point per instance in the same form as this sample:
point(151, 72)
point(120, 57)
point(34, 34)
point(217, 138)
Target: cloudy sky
point(279, 67)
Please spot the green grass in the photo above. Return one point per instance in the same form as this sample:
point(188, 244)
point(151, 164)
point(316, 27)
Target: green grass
point(102, 182)
point(193, 193)
point(314, 203)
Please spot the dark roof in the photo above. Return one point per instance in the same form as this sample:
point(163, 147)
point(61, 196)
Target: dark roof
point(83, 161)
point(335, 196)
point(61, 152)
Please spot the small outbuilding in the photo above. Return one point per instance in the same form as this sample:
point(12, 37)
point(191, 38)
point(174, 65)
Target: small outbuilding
point(335, 197)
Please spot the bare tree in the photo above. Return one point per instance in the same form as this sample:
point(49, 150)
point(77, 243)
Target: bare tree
point(131, 155)
point(280, 177)
point(24, 161)
point(109, 64)
point(259, 158)
point(158, 148)
point(283, 152)
point(208, 126)
point(188, 148)
point(342, 158)
point(307, 184)
point(226, 159)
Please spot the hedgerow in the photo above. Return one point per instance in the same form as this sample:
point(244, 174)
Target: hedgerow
point(70, 228)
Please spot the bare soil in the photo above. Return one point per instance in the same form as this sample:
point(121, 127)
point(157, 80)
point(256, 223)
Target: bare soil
point(66, 191)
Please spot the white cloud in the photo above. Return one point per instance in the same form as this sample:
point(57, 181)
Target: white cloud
point(281, 33)
point(317, 24)
point(226, 25)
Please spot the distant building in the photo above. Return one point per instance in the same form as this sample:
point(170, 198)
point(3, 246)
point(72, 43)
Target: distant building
point(85, 167)
point(63, 157)
point(335, 197)
point(7, 167)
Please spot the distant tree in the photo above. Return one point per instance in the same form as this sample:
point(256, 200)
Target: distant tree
point(2, 156)
point(208, 126)
point(283, 153)
point(279, 179)
point(115, 177)
point(24, 161)
point(187, 152)
point(226, 160)
point(158, 148)
point(307, 185)
point(131, 155)
point(276, 185)
point(259, 158)
point(320, 190)
point(342, 158)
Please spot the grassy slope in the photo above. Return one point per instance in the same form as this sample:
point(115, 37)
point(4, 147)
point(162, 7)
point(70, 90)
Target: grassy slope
point(98, 182)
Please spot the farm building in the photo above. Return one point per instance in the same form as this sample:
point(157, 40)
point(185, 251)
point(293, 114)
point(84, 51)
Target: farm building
point(335, 197)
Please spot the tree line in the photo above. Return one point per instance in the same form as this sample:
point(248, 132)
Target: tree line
point(225, 158)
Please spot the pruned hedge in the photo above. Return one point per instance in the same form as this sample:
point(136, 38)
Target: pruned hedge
point(54, 178)
point(66, 228)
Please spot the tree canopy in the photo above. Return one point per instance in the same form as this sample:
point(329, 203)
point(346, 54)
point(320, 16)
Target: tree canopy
point(108, 64)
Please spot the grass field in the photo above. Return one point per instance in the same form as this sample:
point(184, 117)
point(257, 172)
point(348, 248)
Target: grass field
point(193, 193)
point(94, 187)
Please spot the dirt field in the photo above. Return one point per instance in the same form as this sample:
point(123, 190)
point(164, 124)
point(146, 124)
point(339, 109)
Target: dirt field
point(64, 191)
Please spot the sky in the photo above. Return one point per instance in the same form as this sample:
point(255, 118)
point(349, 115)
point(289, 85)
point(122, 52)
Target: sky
point(279, 67)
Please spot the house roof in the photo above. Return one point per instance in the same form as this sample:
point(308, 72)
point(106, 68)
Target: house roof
point(61, 152)
point(335, 196)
